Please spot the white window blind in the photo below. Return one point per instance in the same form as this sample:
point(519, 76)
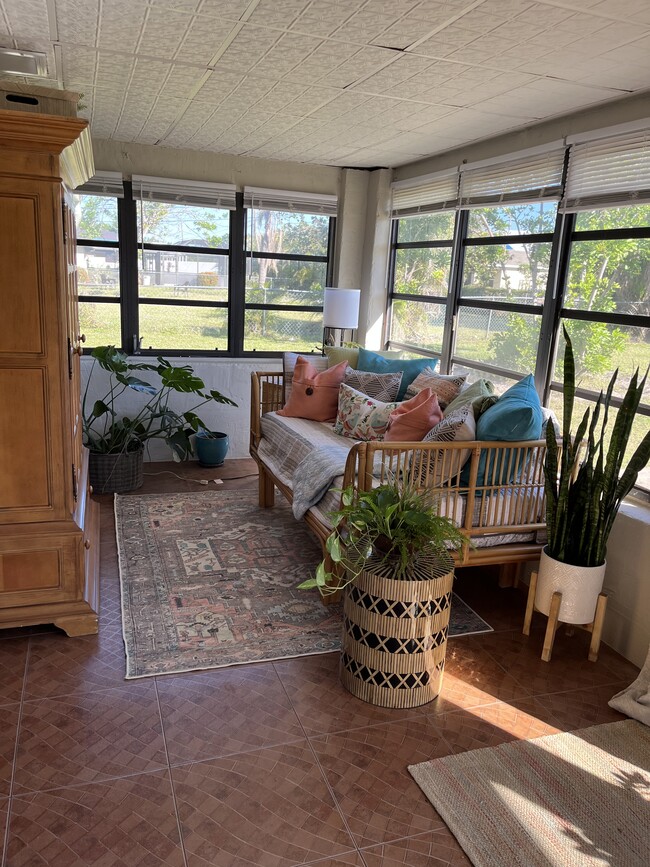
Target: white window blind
point(199, 193)
point(424, 195)
point(262, 199)
point(608, 172)
point(533, 177)
point(103, 184)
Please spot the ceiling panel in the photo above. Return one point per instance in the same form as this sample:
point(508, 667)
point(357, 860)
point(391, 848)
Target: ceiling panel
point(368, 82)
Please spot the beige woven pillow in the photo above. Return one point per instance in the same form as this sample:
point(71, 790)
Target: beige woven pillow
point(458, 426)
point(446, 388)
point(381, 386)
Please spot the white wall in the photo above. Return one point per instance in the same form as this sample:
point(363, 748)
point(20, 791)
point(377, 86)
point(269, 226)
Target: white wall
point(229, 376)
point(609, 114)
point(627, 581)
point(160, 162)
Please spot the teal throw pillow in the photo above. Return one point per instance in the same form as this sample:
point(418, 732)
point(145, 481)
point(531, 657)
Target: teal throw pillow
point(515, 417)
point(410, 368)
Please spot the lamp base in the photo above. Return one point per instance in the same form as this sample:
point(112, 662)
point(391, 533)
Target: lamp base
point(337, 336)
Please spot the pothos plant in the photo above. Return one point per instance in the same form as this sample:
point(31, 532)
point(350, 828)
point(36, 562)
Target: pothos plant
point(395, 524)
point(107, 431)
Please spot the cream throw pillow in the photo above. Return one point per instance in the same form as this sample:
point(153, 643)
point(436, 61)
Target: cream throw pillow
point(361, 417)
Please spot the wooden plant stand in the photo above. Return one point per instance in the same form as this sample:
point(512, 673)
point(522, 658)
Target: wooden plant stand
point(596, 627)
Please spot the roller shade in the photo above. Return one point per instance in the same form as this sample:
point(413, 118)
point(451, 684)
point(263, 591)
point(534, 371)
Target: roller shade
point(425, 195)
point(103, 184)
point(608, 172)
point(529, 179)
point(262, 199)
point(200, 193)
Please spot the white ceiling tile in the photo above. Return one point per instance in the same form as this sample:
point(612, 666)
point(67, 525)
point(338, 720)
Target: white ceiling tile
point(278, 13)
point(77, 22)
point(27, 19)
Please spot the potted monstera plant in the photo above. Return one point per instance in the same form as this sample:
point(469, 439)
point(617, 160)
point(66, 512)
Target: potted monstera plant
point(116, 441)
point(391, 552)
point(585, 483)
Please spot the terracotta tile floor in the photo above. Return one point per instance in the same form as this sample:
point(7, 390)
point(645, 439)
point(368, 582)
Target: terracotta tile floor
point(272, 764)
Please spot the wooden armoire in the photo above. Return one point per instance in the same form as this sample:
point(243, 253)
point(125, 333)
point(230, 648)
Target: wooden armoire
point(49, 531)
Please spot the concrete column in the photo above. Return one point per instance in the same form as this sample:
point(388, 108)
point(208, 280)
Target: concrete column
point(374, 270)
point(350, 228)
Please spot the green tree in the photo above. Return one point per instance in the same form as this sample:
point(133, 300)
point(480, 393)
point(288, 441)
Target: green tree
point(96, 216)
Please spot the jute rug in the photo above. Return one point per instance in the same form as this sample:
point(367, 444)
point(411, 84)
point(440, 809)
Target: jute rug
point(580, 799)
point(210, 580)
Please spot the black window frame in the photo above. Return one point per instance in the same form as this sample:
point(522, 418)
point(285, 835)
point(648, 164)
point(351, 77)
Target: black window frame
point(129, 299)
point(552, 311)
point(284, 257)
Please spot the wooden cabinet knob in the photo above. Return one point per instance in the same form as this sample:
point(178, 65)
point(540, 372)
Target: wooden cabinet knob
point(81, 338)
point(90, 489)
point(78, 349)
point(87, 544)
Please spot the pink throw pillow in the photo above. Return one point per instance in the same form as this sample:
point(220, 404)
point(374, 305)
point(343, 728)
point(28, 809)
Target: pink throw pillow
point(414, 418)
point(314, 395)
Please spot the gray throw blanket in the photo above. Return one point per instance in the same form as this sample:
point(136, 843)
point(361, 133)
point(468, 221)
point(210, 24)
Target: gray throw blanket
point(314, 475)
point(635, 700)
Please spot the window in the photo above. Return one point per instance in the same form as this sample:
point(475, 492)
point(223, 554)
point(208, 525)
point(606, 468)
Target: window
point(183, 253)
point(507, 252)
point(487, 286)
point(171, 280)
point(421, 266)
point(98, 268)
point(288, 244)
point(606, 307)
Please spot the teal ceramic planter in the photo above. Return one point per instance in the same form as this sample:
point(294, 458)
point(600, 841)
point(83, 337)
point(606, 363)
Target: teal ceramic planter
point(211, 448)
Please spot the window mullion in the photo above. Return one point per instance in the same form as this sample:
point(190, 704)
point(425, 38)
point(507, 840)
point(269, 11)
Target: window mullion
point(390, 282)
point(553, 302)
point(455, 283)
point(237, 278)
point(128, 255)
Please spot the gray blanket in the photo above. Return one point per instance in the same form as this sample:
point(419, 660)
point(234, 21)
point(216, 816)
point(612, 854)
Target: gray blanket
point(314, 475)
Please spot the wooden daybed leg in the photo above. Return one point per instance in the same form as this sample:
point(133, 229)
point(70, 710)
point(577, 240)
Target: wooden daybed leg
point(266, 489)
point(507, 575)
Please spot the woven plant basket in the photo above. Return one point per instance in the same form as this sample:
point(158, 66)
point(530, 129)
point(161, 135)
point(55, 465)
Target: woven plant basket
point(395, 633)
point(116, 474)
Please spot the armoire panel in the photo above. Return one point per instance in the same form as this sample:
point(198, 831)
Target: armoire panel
point(21, 311)
point(23, 439)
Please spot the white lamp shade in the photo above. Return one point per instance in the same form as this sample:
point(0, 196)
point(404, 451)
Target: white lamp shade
point(341, 308)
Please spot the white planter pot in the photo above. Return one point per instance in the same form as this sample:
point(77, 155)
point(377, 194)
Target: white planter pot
point(579, 586)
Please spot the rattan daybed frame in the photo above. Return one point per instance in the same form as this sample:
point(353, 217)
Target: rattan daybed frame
point(516, 511)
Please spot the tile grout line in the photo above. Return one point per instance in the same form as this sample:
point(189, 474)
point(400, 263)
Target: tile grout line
point(5, 846)
point(171, 778)
point(335, 801)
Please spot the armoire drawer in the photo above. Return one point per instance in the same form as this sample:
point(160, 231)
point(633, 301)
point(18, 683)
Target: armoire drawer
point(39, 570)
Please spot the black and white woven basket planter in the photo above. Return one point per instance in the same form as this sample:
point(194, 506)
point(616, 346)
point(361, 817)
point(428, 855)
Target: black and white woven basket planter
point(395, 633)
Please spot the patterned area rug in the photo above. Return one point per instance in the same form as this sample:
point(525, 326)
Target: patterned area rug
point(209, 580)
point(579, 799)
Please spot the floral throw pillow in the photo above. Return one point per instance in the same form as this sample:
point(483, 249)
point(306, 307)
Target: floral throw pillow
point(446, 388)
point(361, 417)
point(381, 386)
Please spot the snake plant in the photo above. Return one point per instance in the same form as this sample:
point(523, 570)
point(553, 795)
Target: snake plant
point(585, 481)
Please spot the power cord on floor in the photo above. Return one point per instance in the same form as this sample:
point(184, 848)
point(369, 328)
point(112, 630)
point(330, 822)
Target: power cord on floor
point(201, 481)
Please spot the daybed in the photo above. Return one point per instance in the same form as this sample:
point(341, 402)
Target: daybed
point(503, 517)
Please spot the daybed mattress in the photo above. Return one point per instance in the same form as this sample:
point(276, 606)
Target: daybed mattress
point(286, 442)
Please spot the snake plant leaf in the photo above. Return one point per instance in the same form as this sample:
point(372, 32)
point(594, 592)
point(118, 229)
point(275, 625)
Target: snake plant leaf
point(582, 500)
